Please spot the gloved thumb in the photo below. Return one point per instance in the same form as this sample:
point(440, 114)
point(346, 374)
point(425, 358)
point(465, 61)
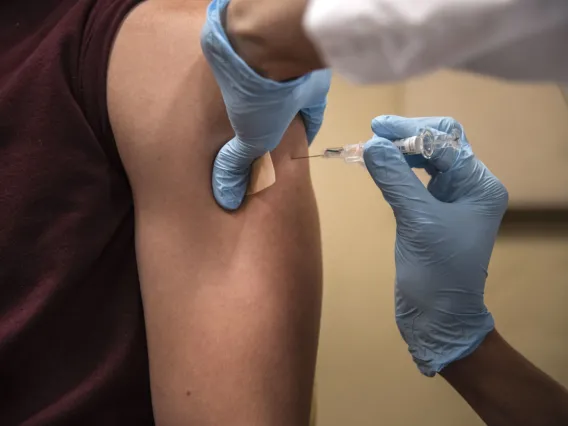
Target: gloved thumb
point(401, 188)
point(231, 173)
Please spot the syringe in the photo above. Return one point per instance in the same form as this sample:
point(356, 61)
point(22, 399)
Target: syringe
point(425, 144)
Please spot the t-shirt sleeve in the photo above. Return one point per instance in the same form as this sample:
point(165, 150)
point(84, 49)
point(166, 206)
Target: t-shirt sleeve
point(102, 25)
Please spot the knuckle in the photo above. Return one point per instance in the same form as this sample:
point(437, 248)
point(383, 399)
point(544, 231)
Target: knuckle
point(499, 194)
point(382, 118)
point(504, 194)
point(449, 123)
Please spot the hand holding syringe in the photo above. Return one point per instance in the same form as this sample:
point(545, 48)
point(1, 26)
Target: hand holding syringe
point(425, 143)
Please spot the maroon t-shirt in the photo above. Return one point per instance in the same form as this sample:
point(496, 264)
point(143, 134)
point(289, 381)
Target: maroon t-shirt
point(72, 338)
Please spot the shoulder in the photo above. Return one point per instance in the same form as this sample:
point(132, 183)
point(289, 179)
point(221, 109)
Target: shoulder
point(165, 107)
point(163, 101)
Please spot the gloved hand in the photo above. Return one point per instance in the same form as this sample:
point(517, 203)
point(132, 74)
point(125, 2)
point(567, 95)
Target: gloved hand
point(444, 239)
point(260, 110)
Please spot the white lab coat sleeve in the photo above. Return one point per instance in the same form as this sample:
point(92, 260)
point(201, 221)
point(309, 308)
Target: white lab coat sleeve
point(374, 41)
point(540, 57)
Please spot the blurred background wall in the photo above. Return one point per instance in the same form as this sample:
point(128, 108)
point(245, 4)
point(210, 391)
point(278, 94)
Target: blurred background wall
point(365, 375)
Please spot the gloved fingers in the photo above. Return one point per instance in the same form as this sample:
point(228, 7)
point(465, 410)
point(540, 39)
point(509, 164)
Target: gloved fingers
point(229, 187)
point(241, 85)
point(260, 109)
point(315, 102)
point(400, 187)
point(442, 159)
point(452, 170)
point(231, 71)
point(416, 161)
point(313, 119)
point(472, 183)
point(469, 181)
point(394, 127)
point(455, 182)
point(231, 172)
point(319, 82)
point(440, 162)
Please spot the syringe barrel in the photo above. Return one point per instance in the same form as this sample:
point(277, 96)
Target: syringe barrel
point(414, 144)
point(425, 144)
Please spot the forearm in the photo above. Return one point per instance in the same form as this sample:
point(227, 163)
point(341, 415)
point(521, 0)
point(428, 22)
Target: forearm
point(505, 389)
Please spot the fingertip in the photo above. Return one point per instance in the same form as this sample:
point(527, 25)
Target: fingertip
point(384, 119)
point(393, 127)
point(392, 175)
point(416, 161)
point(447, 125)
point(313, 120)
point(324, 75)
point(444, 158)
point(380, 156)
point(380, 124)
point(373, 150)
point(378, 145)
point(229, 188)
point(226, 199)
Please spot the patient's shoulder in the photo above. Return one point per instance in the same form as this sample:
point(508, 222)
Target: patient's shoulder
point(165, 107)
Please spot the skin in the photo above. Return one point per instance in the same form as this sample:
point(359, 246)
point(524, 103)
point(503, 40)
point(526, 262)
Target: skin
point(501, 385)
point(270, 37)
point(505, 389)
point(231, 300)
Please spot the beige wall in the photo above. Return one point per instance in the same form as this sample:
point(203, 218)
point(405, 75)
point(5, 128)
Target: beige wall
point(519, 131)
point(365, 375)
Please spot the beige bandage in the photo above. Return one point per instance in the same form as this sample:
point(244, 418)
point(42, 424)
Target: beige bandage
point(262, 174)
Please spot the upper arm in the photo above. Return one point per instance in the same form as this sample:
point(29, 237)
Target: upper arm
point(231, 300)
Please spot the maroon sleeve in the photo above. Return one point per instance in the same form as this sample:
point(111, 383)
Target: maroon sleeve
point(102, 25)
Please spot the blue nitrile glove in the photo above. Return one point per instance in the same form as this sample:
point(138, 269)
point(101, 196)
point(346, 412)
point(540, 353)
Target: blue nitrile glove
point(260, 110)
point(444, 239)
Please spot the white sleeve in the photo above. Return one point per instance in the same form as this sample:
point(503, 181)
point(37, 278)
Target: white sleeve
point(374, 41)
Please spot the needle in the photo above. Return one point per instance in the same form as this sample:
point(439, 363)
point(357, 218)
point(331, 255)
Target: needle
point(307, 156)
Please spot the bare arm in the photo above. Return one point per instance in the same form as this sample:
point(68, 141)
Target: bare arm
point(231, 300)
point(505, 389)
